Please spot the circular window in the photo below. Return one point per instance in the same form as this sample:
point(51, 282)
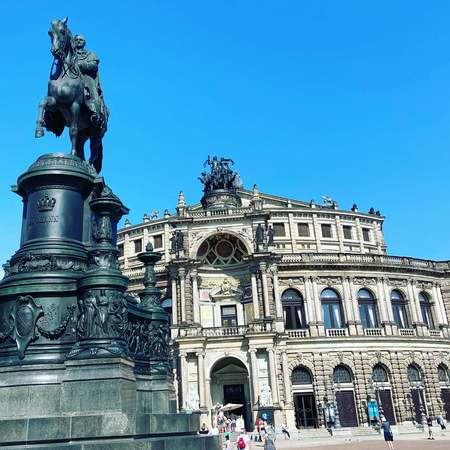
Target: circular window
point(224, 249)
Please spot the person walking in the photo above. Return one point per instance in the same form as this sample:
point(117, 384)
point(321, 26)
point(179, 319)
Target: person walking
point(387, 433)
point(441, 422)
point(227, 442)
point(430, 427)
point(243, 442)
point(285, 431)
point(269, 442)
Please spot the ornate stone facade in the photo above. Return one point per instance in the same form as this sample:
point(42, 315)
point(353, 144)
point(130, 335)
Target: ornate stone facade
point(295, 310)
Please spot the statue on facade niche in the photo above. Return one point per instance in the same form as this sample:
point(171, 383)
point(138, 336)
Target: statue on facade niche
point(270, 235)
point(265, 395)
point(259, 237)
point(177, 242)
point(74, 97)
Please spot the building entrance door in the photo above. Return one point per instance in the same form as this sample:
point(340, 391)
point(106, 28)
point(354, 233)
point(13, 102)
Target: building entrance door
point(417, 399)
point(385, 400)
point(445, 395)
point(305, 410)
point(234, 393)
point(345, 401)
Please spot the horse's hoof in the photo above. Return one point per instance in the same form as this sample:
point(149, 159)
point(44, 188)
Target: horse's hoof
point(39, 132)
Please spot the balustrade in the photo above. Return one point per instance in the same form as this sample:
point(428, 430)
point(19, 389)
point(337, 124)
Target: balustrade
point(336, 332)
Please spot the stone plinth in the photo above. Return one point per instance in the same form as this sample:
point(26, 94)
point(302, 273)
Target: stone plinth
point(221, 199)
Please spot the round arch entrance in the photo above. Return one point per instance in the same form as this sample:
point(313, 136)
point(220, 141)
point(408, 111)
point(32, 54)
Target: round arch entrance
point(229, 384)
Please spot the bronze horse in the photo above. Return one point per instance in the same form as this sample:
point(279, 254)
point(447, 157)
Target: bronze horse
point(65, 103)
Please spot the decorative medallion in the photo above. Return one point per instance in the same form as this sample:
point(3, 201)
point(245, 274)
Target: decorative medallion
point(25, 315)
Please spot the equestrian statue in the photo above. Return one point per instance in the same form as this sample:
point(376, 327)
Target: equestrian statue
point(74, 97)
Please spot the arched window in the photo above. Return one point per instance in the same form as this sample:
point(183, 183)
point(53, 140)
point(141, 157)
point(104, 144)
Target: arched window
point(342, 374)
point(301, 375)
point(399, 309)
point(367, 309)
point(166, 304)
point(425, 308)
point(443, 375)
point(414, 373)
point(379, 374)
point(293, 309)
point(221, 250)
point(332, 309)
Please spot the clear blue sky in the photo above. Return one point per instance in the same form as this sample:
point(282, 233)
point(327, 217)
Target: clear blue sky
point(345, 98)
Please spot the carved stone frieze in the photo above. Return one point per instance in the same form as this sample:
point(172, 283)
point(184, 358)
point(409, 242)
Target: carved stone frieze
point(364, 281)
point(423, 284)
point(397, 282)
point(328, 281)
point(291, 281)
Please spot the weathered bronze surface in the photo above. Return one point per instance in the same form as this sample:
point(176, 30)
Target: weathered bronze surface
point(74, 96)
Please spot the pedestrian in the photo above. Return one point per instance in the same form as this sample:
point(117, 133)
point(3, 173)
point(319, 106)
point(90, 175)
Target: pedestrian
point(285, 431)
point(269, 442)
point(387, 433)
point(242, 442)
point(441, 422)
point(227, 442)
point(430, 427)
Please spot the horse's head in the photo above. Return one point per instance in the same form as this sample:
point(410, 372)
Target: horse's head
point(60, 36)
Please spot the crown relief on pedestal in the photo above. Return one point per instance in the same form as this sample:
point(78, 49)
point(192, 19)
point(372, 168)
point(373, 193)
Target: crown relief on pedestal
point(46, 203)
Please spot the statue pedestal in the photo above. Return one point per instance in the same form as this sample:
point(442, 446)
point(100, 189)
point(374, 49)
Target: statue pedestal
point(221, 199)
point(105, 385)
point(155, 394)
point(51, 259)
point(69, 376)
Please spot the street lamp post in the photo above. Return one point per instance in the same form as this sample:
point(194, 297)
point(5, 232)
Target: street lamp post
point(333, 404)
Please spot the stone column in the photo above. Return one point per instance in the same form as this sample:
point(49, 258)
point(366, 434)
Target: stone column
point(174, 276)
point(340, 234)
point(195, 304)
point(385, 307)
point(256, 314)
point(286, 379)
point(317, 306)
point(441, 303)
point(415, 309)
point(317, 232)
point(201, 379)
point(309, 302)
point(276, 293)
point(359, 234)
point(436, 307)
point(182, 274)
point(184, 380)
point(350, 313)
point(254, 375)
point(273, 376)
point(263, 267)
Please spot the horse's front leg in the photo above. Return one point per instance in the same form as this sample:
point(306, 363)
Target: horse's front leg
point(75, 110)
point(44, 103)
